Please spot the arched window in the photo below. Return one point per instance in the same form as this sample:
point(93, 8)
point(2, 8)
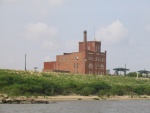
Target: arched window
point(88, 48)
point(102, 66)
point(90, 66)
point(97, 65)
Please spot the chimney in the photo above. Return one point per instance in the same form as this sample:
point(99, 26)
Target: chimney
point(85, 41)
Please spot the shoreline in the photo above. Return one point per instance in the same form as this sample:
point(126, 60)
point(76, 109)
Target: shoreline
point(126, 97)
point(77, 97)
point(53, 99)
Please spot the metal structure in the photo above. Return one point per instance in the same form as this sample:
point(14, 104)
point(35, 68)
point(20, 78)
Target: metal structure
point(120, 69)
point(145, 72)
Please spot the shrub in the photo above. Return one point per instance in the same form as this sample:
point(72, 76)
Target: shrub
point(87, 91)
point(140, 90)
point(117, 90)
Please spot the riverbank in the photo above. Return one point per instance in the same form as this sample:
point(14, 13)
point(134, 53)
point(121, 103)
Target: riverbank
point(126, 97)
point(75, 97)
point(16, 83)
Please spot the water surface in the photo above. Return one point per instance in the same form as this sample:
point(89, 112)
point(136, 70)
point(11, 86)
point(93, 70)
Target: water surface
point(80, 106)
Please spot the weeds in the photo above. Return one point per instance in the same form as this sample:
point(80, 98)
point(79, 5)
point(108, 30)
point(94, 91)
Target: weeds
point(16, 83)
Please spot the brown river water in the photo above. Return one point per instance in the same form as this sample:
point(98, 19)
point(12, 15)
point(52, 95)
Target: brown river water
point(81, 106)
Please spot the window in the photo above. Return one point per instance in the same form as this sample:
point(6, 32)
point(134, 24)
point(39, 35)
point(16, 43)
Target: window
point(90, 58)
point(103, 59)
point(102, 66)
point(90, 66)
point(77, 65)
point(95, 66)
point(88, 48)
point(74, 65)
point(77, 58)
point(90, 72)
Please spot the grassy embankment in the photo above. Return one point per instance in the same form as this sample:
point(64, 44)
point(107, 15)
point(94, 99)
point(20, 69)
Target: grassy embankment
point(21, 83)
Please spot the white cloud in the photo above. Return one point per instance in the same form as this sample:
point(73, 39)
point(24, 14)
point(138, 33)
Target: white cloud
point(10, 1)
point(113, 33)
point(39, 31)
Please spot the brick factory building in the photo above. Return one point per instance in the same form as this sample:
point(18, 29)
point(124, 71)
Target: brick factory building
point(89, 60)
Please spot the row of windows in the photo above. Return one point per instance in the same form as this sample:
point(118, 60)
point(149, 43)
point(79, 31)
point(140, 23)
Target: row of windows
point(97, 66)
point(97, 48)
point(97, 73)
point(97, 59)
point(101, 54)
point(68, 59)
point(91, 66)
point(91, 72)
point(77, 58)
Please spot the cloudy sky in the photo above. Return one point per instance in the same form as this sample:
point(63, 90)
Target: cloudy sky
point(43, 29)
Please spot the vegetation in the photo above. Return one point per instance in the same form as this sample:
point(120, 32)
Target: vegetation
point(16, 83)
point(134, 74)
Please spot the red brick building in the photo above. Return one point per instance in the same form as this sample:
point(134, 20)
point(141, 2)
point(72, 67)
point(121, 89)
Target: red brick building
point(89, 60)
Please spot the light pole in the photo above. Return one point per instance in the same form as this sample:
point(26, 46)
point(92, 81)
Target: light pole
point(25, 62)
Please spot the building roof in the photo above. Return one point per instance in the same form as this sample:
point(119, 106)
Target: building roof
point(144, 71)
point(121, 69)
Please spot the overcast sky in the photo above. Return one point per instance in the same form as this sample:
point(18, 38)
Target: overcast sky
point(43, 29)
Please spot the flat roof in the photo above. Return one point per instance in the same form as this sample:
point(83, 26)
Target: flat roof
point(144, 71)
point(121, 69)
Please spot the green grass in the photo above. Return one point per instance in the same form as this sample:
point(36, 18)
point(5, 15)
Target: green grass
point(16, 83)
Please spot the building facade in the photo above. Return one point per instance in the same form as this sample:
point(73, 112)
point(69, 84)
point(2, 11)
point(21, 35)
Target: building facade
point(89, 59)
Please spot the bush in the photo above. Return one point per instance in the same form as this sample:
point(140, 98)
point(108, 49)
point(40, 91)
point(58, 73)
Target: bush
point(87, 91)
point(117, 90)
point(140, 90)
point(134, 74)
point(24, 83)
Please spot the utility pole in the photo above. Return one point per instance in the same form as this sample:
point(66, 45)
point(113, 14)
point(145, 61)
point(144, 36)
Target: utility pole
point(25, 62)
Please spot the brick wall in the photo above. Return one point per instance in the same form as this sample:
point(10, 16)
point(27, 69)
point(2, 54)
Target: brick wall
point(89, 60)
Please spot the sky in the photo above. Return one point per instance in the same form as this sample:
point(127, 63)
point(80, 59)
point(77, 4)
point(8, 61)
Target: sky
point(42, 29)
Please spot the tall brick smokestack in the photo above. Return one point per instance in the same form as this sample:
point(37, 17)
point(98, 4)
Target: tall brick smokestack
point(85, 40)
